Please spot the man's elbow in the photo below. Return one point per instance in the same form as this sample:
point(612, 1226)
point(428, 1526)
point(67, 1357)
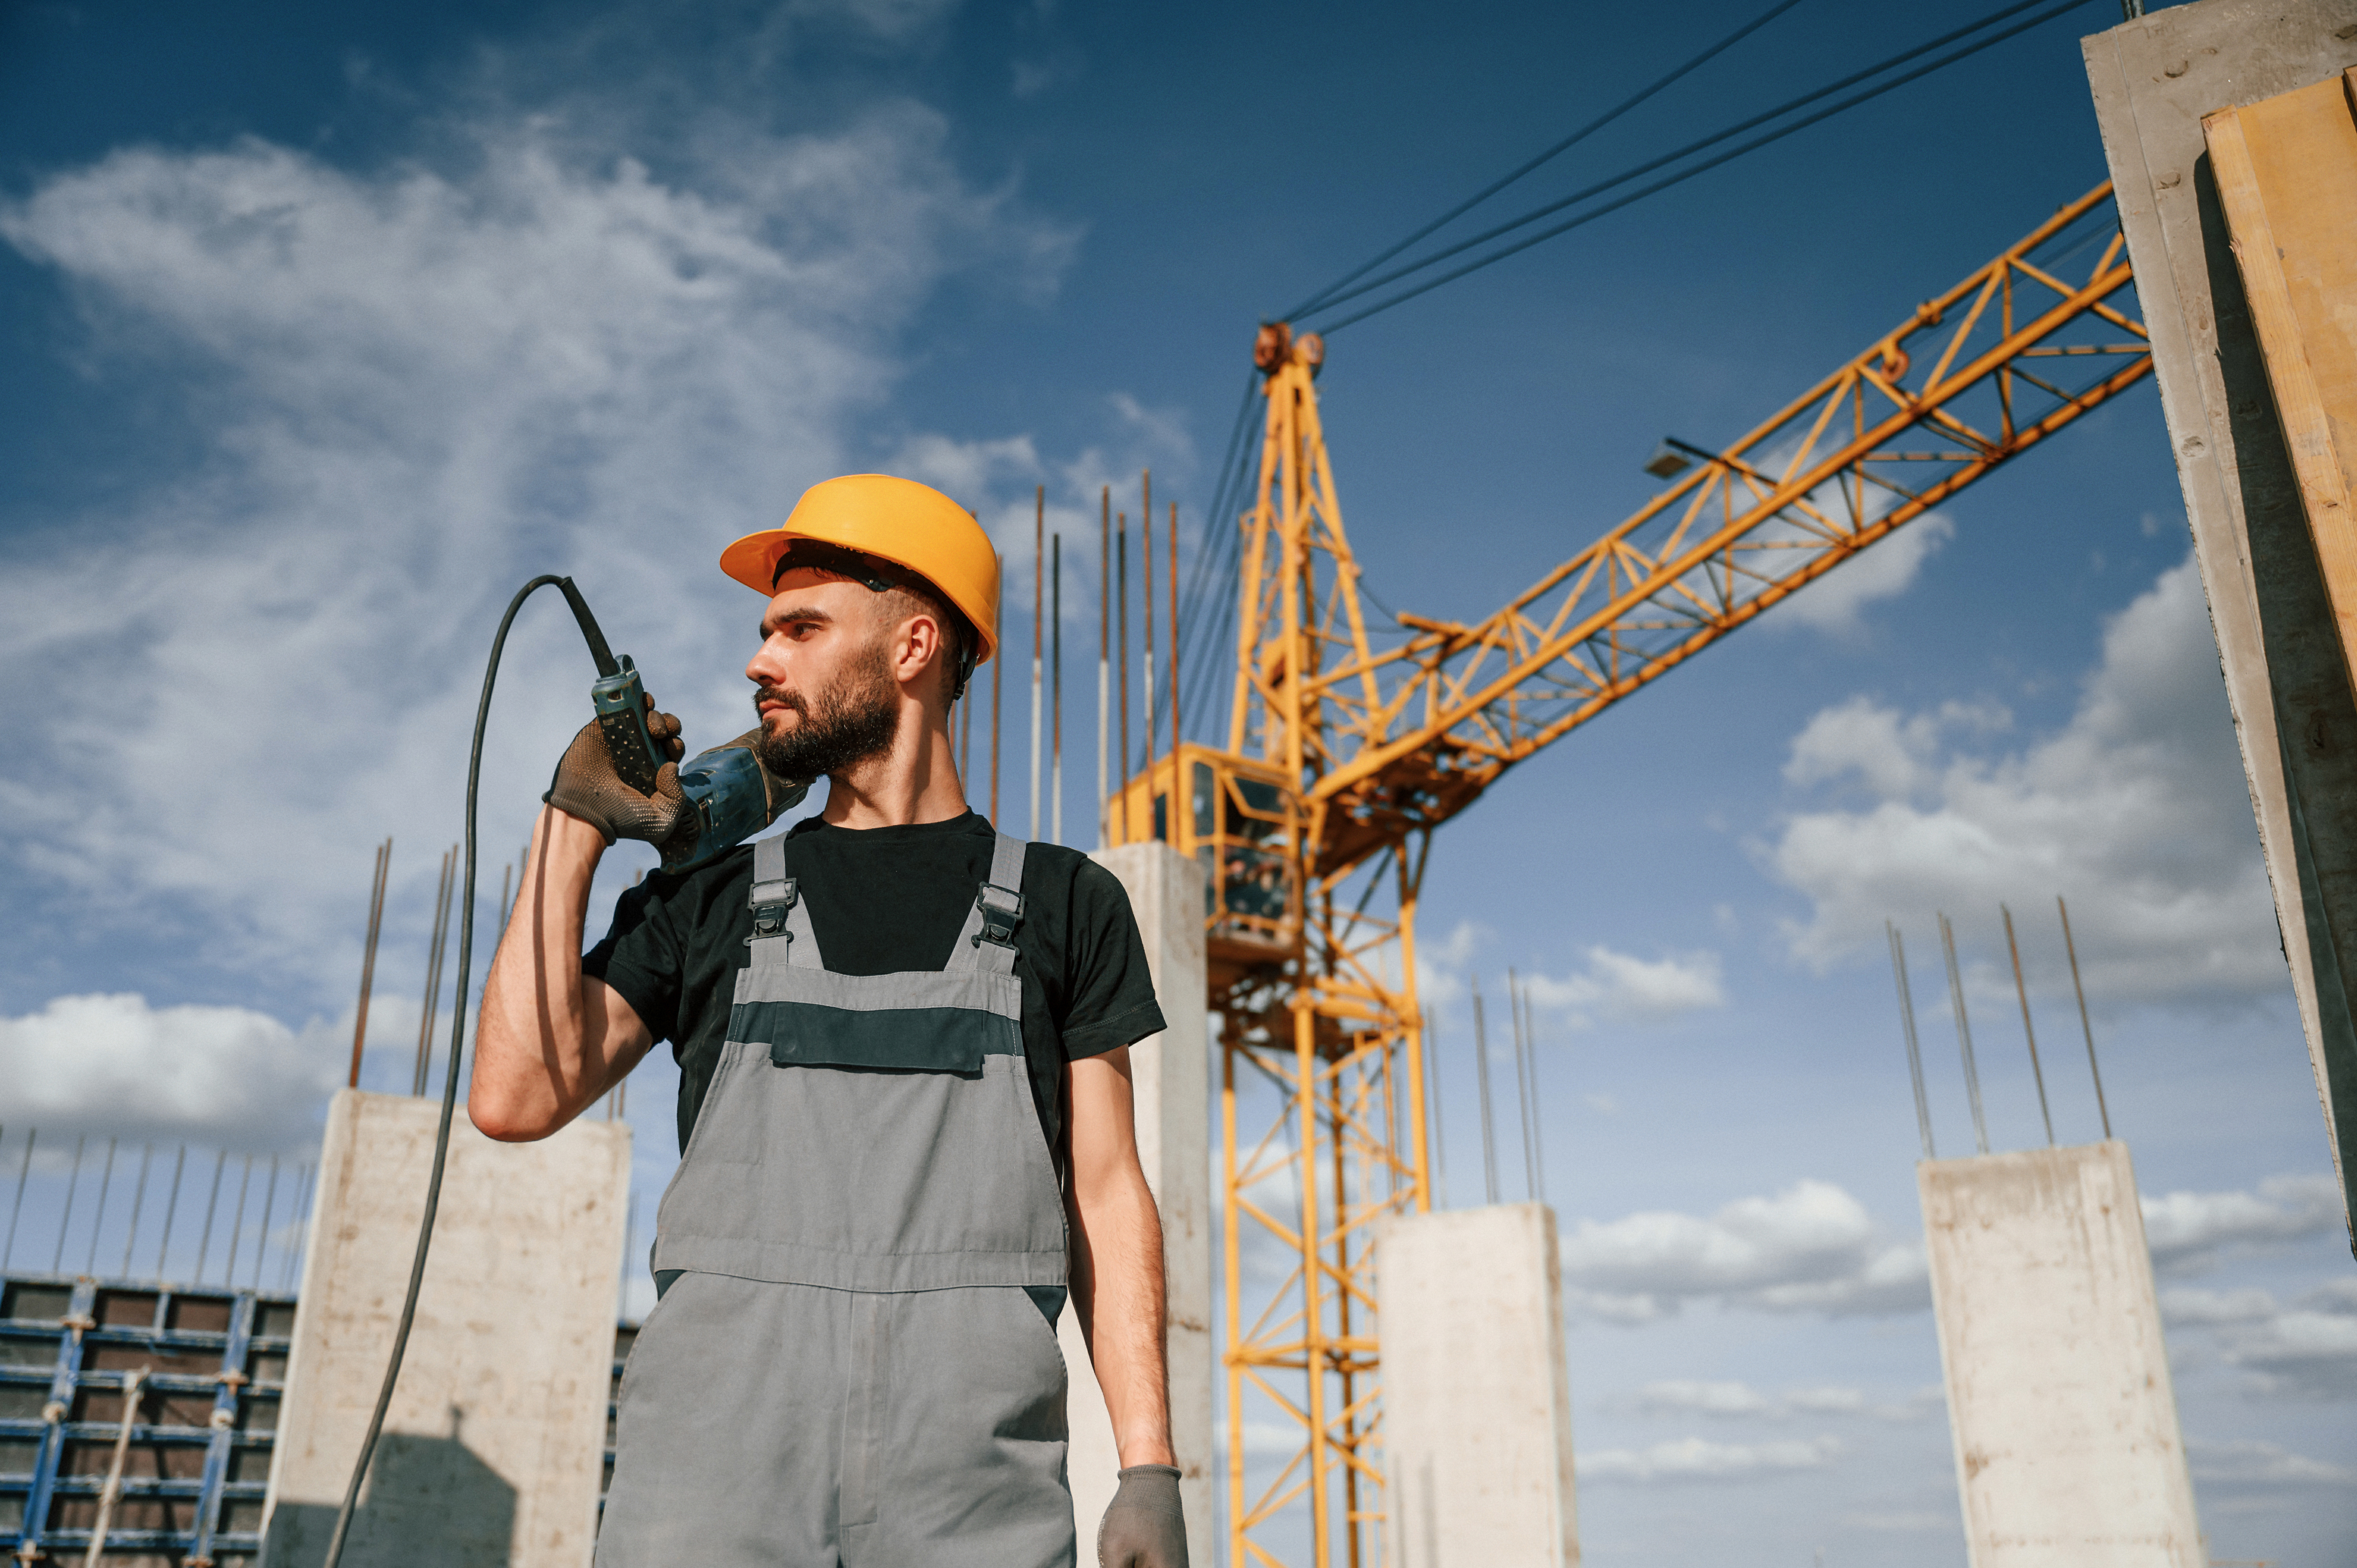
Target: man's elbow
point(509, 1123)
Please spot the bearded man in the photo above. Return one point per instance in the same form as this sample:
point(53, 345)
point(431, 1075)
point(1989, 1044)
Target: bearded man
point(904, 1102)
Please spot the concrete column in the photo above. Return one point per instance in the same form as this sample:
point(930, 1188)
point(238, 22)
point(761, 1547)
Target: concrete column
point(2068, 1452)
point(1477, 1400)
point(1173, 1111)
point(494, 1448)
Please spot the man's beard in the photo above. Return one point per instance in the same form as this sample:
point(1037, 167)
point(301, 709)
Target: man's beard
point(853, 721)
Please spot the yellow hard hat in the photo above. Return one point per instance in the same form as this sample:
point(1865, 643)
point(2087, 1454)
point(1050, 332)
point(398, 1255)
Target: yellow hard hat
point(898, 520)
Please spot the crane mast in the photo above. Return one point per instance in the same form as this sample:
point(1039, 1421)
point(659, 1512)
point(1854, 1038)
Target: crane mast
point(1347, 746)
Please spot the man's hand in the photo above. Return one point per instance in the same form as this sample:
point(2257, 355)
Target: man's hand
point(587, 786)
point(1142, 1526)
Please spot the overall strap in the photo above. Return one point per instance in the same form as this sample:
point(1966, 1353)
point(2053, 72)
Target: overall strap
point(988, 943)
point(782, 922)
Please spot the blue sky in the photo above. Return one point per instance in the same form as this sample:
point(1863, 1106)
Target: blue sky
point(330, 325)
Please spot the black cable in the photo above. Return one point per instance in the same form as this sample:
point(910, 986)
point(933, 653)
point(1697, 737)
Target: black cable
point(1323, 295)
point(458, 1039)
point(1692, 147)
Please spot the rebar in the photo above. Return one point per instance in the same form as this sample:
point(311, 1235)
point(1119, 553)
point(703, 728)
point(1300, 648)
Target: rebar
point(1964, 1034)
point(17, 1210)
point(212, 1203)
point(138, 1203)
point(2029, 1034)
point(98, 1221)
point(1914, 1051)
point(368, 959)
point(1039, 593)
point(1056, 686)
point(1104, 656)
point(269, 1202)
point(1488, 1124)
point(57, 1263)
point(433, 1005)
point(1147, 689)
point(1521, 1086)
point(236, 1225)
point(1174, 660)
point(1538, 1108)
point(164, 1248)
point(2101, 1107)
point(1439, 1123)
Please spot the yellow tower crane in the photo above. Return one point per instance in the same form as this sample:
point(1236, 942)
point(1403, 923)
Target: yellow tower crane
point(1348, 745)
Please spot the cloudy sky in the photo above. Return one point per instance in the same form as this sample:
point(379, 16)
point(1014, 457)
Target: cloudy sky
point(330, 325)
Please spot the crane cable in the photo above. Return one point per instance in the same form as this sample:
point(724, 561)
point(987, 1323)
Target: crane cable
point(1682, 175)
point(1325, 295)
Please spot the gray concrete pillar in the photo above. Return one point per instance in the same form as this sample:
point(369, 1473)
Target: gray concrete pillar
point(2068, 1454)
point(1477, 1400)
point(494, 1448)
point(1173, 1110)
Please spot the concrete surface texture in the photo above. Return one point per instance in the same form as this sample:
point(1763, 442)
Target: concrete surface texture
point(1477, 1401)
point(2153, 80)
point(494, 1446)
point(1170, 1073)
point(2067, 1451)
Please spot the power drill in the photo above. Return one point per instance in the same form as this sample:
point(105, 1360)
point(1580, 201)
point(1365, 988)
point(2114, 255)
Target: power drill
point(724, 786)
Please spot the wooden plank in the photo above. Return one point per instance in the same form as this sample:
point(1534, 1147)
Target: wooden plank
point(2286, 175)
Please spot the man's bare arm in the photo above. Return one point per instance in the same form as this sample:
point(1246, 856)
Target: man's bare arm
point(551, 1039)
point(1116, 1266)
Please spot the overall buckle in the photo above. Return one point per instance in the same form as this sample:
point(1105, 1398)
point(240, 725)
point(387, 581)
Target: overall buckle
point(1001, 911)
point(770, 902)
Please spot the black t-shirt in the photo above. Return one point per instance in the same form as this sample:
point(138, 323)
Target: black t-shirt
point(883, 900)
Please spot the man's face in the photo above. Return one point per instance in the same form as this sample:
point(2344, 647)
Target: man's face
point(822, 679)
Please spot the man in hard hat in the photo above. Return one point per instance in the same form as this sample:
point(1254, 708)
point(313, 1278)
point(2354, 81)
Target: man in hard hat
point(904, 1081)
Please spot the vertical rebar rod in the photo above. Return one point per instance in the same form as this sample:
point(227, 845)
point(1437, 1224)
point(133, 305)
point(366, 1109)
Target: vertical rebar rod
point(1056, 690)
point(98, 1221)
point(2028, 1033)
point(2102, 1106)
point(1121, 666)
point(1173, 591)
point(1038, 598)
point(1965, 1034)
point(294, 1258)
point(368, 959)
point(58, 1261)
point(1488, 1122)
point(269, 1202)
point(1538, 1108)
point(507, 878)
point(171, 1208)
point(1914, 1050)
point(997, 692)
point(630, 1252)
point(17, 1210)
point(1439, 1125)
point(1104, 656)
point(1522, 1085)
point(138, 1203)
point(1146, 690)
point(237, 1224)
point(433, 1005)
point(212, 1203)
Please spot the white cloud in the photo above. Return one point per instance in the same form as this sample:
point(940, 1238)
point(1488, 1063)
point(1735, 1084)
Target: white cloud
point(414, 386)
point(1834, 601)
point(2187, 1231)
point(2247, 1462)
point(114, 1065)
point(2135, 811)
point(2308, 1350)
point(1618, 986)
point(1741, 1400)
point(2190, 1307)
point(1698, 1459)
point(1811, 1248)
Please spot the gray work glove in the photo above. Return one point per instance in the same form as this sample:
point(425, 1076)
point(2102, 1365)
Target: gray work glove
point(1142, 1525)
point(587, 786)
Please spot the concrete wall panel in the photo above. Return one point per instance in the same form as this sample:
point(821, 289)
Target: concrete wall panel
point(2068, 1452)
point(1173, 1108)
point(494, 1447)
point(1477, 1400)
point(2153, 80)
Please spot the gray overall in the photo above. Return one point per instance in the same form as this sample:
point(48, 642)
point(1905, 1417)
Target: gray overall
point(846, 1368)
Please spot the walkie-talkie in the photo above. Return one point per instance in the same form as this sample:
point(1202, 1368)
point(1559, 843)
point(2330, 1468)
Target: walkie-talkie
point(620, 698)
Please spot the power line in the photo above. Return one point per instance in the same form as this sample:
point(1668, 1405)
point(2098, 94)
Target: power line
point(1625, 175)
point(1323, 295)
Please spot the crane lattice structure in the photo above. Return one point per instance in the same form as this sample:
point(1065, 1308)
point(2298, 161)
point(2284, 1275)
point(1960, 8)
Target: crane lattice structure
point(1349, 742)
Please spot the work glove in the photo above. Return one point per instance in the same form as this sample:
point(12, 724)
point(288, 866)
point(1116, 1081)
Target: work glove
point(587, 786)
point(1142, 1526)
